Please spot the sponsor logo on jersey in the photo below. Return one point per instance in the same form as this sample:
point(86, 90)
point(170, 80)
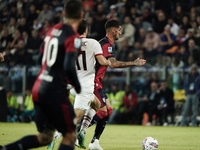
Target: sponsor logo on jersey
point(104, 100)
point(77, 43)
point(109, 49)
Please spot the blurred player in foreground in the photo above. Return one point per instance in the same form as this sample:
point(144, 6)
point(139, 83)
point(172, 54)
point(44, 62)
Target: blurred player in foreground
point(86, 101)
point(113, 31)
point(52, 106)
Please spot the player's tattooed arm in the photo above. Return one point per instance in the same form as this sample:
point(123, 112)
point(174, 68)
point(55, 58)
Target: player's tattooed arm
point(121, 64)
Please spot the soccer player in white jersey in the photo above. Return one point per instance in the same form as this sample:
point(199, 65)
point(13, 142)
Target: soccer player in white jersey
point(86, 102)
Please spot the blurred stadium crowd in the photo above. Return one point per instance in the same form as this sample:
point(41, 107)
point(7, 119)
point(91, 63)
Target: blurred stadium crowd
point(164, 32)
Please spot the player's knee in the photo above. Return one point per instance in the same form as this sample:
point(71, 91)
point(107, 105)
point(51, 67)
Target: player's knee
point(69, 138)
point(102, 114)
point(95, 104)
point(46, 137)
point(110, 110)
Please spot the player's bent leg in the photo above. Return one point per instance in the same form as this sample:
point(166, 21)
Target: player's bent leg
point(26, 142)
point(79, 114)
point(95, 104)
point(68, 141)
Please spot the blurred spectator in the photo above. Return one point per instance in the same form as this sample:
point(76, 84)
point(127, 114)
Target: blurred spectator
point(153, 103)
point(128, 31)
point(178, 15)
point(28, 112)
point(12, 13)
point(4, 16)
point(8, 58)
point(13, 107)
point(20, 4)
point(129, 101)
point(192, 99)
point(88, 12)
point(198, 20)
point(23, 26)
point(56, 7)
point(133, 14)
point(34, 42)
point(123, 53)
point(174, 28)
point(167, 102)
point(147, 15)
point(194, 51)
point(20, 14)
point(116, 100)
point(141, 37)
point(21, 56)
point(180, 39)
point(195, 28)
point(122, 14)
point(36, 25)
point(152, 38)
point(57, 18)
point(47, 26)
point(91, 28)
point(167, 40)
point(12, 26)
point(25, 37)
point(193, 13)
point(140, 24)
point(32, 15)
point(16, 39)
point(112, 13)
point(45, 14)
point(4, 4)
point(176, 61)
point(6, 40)
point(185, 24)
point(100, 20)
point(161, 23)
point(183, 54)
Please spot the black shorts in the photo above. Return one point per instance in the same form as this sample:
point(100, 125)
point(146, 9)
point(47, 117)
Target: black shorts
point(101, 95)
point(55, 113)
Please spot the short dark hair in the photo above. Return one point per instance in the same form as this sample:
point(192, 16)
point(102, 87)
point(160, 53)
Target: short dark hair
point(112, 24)
point(73, 9)
point(82, 26)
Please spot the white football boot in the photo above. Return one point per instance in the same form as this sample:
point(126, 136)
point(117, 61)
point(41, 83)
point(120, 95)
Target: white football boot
point(95, 145)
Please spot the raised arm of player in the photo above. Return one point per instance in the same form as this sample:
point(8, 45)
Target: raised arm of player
point(121, 64)
point(103, 61)
point(69, 66)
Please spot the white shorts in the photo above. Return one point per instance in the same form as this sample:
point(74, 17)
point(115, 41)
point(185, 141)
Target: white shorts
point(83, 99)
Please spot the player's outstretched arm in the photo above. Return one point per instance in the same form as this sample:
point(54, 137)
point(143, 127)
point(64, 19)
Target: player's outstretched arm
point(69, 66)
point(103, 61)
point(1, 57)
point(121, 64)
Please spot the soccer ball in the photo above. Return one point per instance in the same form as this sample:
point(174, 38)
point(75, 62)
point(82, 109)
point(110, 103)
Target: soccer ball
point(149, 143)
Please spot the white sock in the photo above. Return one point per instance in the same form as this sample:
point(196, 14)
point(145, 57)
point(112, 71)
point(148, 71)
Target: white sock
point(87, 119)
point(57, 135)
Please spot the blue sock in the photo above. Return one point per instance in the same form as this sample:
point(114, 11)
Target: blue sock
point(95, 120)
point(101, 124)
point(65, 147)
point(26, 142)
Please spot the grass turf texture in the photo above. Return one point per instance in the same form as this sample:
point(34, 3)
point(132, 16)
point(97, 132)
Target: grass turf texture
point(116, 137)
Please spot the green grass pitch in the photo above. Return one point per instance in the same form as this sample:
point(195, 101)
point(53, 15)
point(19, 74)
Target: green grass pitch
point(119, 137)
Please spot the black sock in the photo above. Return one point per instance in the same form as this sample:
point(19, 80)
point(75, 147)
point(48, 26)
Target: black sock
point(65, 147)
point(26, 142)
point(101, 124)
point(95, 120)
